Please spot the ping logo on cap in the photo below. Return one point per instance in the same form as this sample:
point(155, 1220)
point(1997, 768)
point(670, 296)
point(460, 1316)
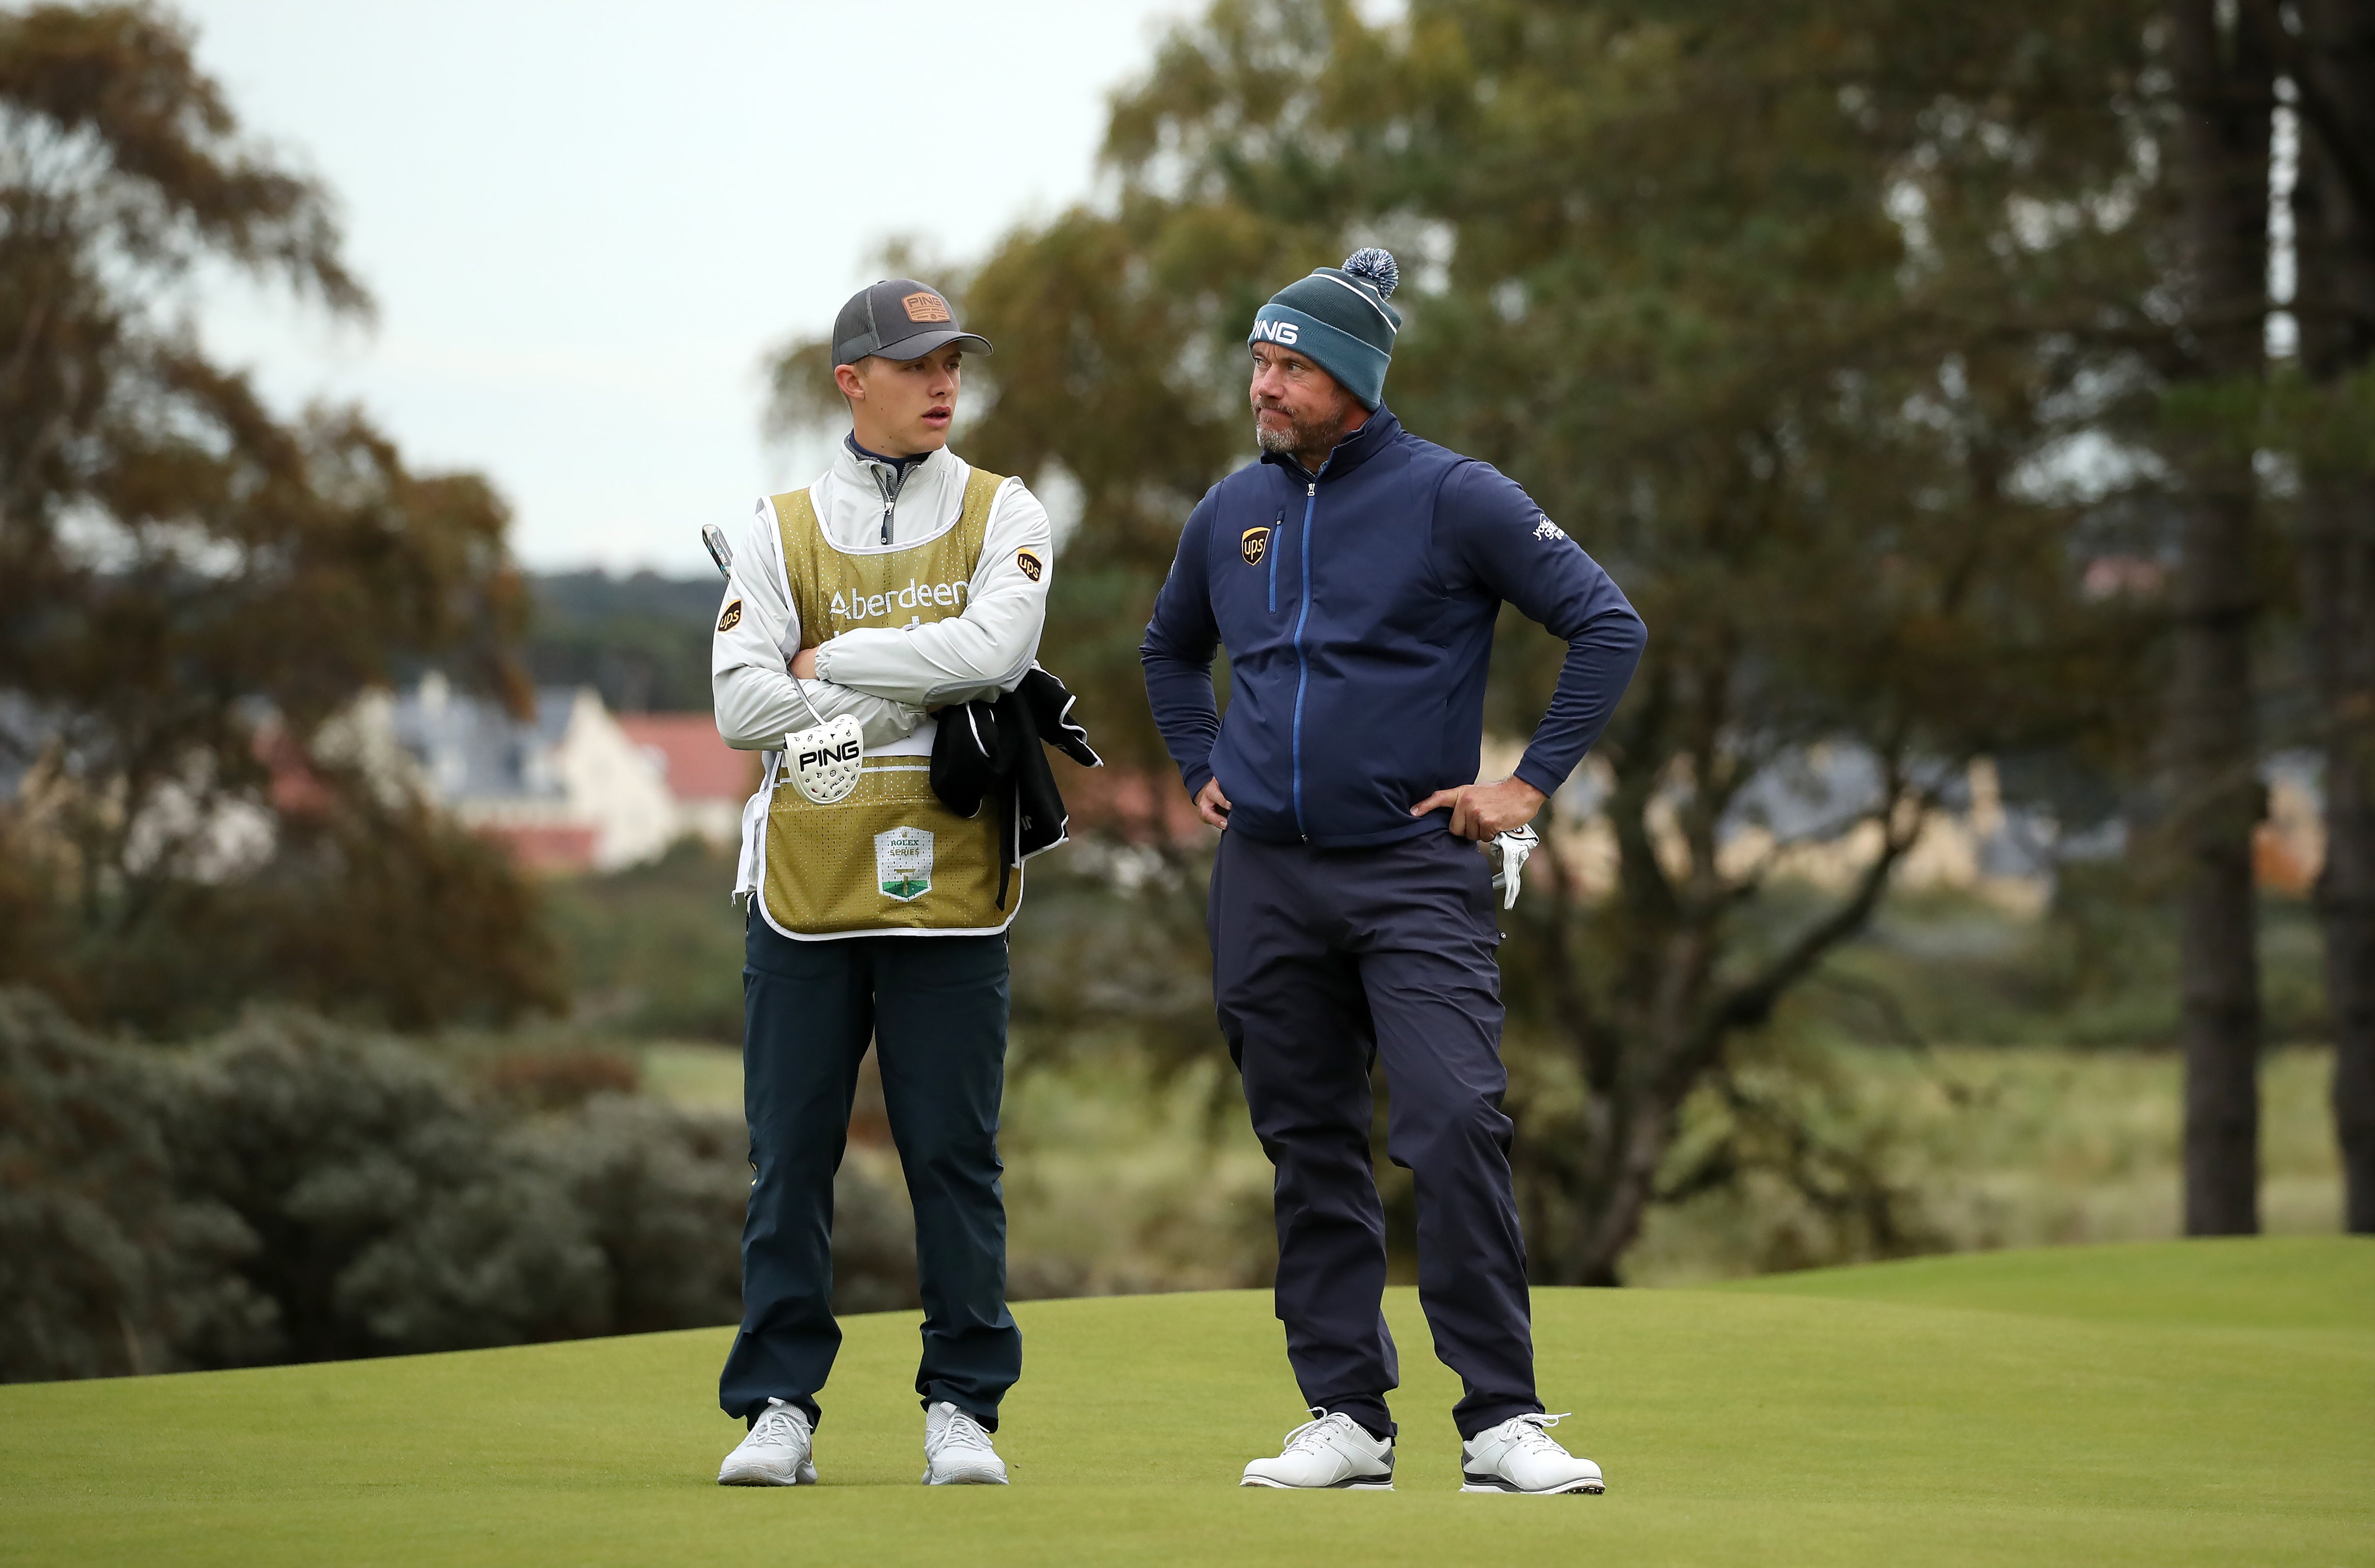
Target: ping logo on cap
point(926, 307)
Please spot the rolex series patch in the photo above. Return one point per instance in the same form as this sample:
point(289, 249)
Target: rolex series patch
point(1254, 543)
point(1029, 563)
point(903, 863)
point(732, 618)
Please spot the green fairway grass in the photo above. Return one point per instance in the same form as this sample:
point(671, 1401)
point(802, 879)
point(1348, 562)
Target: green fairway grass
point(2208, 1402)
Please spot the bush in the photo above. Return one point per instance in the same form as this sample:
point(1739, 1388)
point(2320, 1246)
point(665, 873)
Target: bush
point(296, 1191)
point(105, 1266)
point(660, 1193)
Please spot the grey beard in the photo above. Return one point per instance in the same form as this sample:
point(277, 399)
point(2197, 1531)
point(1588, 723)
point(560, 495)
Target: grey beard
point(1299, 438)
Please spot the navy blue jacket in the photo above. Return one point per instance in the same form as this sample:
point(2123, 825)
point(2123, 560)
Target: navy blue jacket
point(1357, 608)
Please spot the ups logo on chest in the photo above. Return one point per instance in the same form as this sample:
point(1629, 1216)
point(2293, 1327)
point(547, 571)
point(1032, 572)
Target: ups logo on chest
point(1253, 545)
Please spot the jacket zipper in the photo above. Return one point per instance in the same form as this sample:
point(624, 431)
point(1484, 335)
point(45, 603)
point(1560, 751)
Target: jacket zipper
point(1276, 544)
point(1301, 663)
point(889, 490)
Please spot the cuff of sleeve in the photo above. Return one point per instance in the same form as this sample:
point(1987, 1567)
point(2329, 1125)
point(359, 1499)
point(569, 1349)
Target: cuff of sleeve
point(1537, 773)
point(823, 653)
point(1195, 778)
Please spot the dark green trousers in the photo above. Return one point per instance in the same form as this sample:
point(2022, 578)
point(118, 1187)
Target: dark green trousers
point(935, 1010)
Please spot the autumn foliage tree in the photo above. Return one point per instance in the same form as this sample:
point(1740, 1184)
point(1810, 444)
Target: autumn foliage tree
point(192, 587)
point(1786, 313)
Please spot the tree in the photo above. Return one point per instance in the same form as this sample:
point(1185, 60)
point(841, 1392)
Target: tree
point(2224, 95)
point(192, 588)
point(1782, 311)
point(1770, 332)
point(2330, 63)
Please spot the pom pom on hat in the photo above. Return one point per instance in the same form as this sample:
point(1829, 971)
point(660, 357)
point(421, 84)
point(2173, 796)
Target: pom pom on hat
point(1375, 268)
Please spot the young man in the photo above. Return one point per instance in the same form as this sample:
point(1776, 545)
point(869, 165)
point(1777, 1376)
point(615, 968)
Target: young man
point(902, 581)
point(1353, 574)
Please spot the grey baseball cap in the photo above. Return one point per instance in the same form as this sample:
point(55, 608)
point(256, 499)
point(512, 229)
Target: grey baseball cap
point(899, 319)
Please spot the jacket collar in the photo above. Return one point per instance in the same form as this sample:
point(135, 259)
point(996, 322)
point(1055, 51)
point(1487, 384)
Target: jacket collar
point(1351, 453)
point(854, 465)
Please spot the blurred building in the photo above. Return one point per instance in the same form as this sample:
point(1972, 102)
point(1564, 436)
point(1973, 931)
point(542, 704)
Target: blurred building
point(708, 779)
point(1807, 816)
point(1130, 804)
point(573, 787)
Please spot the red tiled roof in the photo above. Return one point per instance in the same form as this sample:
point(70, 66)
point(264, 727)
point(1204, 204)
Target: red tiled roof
point(695, 763)
point(1136, 806)
point(554, 847)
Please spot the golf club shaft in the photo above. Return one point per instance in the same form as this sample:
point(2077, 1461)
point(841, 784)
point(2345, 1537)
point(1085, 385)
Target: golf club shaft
point(723, 555)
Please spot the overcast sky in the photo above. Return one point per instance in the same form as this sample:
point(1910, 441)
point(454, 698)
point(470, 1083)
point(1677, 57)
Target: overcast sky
point(585, 223)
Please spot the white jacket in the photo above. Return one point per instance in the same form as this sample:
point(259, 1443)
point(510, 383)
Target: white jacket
point(886, 676)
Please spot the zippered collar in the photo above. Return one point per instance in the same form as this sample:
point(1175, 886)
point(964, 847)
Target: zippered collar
point(1350, 454)
point(888, 476)
point(890, 472)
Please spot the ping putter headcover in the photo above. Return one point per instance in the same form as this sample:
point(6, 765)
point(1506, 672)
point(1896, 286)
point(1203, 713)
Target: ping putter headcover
point(825, 759)
point(1510, 852)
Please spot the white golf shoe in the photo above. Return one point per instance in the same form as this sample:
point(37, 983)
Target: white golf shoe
point(1518, 1455)
point(1328, 1451)
point(775, 1452)
point(957, 1451)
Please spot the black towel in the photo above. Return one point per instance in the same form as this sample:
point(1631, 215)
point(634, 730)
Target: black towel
point(994, 748)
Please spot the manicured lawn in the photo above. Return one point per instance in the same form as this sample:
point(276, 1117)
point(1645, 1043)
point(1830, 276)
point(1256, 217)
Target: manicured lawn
point(2197, 1402)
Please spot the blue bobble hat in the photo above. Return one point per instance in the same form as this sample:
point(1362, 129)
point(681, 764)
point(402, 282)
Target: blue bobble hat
point(1338, 318)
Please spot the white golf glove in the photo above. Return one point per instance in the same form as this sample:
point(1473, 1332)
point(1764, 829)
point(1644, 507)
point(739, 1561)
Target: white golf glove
point(1509, 851)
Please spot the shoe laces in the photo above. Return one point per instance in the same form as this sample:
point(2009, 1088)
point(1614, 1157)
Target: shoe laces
point(960, 1430)
point(1531, 1436)
point(781, 1423)
point(1313, 1435)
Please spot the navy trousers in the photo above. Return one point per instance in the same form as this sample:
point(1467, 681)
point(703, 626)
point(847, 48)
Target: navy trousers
point(935, 1010)
point(1327, 963)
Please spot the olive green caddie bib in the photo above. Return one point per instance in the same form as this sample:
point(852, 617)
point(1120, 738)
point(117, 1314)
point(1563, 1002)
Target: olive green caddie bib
point(888, 858)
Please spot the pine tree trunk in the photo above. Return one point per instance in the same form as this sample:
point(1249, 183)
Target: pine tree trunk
point(2335, 225)
point(2225, 83)
point(2338, 593)
point(2217, 947)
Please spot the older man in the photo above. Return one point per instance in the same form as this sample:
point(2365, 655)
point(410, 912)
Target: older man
point(1354, 573)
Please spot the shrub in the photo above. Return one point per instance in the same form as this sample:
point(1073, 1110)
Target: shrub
point(106, 1267)
point(293, 1190)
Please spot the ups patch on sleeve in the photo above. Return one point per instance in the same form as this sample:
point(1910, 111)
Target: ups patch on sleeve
point(732, 618)
point(1029, 563)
